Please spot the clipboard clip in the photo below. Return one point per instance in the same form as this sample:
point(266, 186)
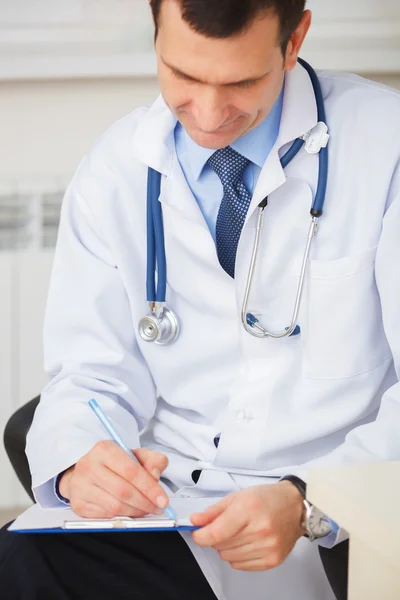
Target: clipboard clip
point(121, 523)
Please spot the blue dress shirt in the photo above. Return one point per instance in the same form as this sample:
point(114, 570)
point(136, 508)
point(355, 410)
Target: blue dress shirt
point(202, 179)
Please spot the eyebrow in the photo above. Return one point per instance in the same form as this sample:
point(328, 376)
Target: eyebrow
point(232, 83)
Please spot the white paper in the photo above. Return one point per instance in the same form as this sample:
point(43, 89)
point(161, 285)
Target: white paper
point(37, 517)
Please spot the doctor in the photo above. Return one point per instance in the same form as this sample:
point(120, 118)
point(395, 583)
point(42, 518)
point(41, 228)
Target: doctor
point(219, 412)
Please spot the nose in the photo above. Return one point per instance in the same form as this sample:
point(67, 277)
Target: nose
point(209, 110)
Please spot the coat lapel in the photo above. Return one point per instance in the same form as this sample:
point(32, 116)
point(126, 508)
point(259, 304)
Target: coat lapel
point(299, 115)
point(154, 145)
point(153, 140)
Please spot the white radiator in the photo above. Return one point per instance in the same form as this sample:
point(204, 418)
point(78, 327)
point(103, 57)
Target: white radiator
point(29, 217)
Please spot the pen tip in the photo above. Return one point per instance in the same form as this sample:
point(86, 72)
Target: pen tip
point(169, 511)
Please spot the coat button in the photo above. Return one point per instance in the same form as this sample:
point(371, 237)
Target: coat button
point(241, 416)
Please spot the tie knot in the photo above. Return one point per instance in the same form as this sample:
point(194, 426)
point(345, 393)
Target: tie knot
point(229, 165)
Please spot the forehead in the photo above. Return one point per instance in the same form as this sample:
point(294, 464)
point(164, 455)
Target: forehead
point(249, 53)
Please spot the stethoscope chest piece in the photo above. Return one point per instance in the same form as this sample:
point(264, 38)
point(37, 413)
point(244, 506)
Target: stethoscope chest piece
point(162, 330)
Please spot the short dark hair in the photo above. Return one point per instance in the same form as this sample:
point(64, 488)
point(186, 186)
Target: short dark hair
point(225, 18)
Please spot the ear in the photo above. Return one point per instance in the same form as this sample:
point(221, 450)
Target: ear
point(154, 22)
point(296, 41)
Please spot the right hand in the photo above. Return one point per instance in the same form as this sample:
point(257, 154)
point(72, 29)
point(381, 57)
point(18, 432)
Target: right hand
point(107, 482)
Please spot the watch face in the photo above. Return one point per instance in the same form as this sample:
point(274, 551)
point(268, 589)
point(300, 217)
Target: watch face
point(318, 523)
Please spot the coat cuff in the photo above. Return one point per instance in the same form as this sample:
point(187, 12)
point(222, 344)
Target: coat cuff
point(57, 489)
point(47, 495)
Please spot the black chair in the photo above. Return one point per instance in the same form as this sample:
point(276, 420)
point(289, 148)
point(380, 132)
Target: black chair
point(15, 440)
point(335, 561)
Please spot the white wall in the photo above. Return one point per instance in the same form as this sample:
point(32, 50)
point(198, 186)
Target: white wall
point(46, 126)
point(59, 91)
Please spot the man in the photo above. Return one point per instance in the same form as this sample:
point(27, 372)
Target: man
point(218, 413)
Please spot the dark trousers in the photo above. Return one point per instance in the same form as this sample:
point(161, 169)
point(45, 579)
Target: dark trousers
point(103, 566)
point(117, 566)
point(336, 565)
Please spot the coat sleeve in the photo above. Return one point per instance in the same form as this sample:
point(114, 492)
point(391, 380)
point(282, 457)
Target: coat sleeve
point(378, 440)
point(90, 350)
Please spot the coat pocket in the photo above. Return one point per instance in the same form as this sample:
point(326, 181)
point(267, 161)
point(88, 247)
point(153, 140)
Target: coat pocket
point(341, 318)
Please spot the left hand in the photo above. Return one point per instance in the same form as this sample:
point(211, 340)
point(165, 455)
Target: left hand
point(254, 529)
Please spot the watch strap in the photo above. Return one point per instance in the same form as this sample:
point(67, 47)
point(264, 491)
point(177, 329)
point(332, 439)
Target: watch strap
point(299, 483)
point(302, 487)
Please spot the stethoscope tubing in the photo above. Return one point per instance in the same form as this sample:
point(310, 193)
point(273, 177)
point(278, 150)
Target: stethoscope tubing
point(255, 329)
point(156, 255)
point(155, 242)
point(319, 201)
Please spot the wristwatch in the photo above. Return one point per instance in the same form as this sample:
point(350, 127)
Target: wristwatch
point(315, 523)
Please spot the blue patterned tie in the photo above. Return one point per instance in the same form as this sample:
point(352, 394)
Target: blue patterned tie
point(230, 166)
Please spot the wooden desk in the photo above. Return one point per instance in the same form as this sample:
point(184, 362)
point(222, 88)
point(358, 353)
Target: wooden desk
point(365, 500)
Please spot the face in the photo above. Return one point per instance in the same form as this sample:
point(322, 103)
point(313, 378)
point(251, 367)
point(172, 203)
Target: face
point(219, 89)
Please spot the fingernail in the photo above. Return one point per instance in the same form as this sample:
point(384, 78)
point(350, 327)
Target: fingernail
point(156, 473)
point(162, 502)
point(158, 511)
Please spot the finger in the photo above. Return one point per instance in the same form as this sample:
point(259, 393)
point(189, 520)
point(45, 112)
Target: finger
point(211, 513)
point(100, 504)
point(244, 553)
point(92, 511)
point(246, 537)
point(116, 507)
point(201, 519)
point(154, 462)
point(242, 539)
point(252, 565)
point(226, 526)
point(122, 490)
point(117, 460)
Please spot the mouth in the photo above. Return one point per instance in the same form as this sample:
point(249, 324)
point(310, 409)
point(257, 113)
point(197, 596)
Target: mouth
point(221, 129)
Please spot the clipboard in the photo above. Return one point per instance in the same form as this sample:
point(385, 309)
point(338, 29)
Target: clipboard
point(119, 524)
point(38, 520)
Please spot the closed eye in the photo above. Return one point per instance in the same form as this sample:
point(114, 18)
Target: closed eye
point(245, 84)
point(241, 84)
point(182, 76)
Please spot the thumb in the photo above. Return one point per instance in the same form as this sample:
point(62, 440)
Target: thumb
point(211, 513)
point(154, 462)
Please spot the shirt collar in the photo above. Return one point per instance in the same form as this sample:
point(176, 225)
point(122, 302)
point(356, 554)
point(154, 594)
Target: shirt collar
point(254, 145)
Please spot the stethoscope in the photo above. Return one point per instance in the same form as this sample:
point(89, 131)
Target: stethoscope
point(161, 325)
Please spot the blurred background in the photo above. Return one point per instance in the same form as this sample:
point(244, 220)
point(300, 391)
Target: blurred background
point(68, 70)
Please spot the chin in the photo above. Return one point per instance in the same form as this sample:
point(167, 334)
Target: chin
point(213, 141)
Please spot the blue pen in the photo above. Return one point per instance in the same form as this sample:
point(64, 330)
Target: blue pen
point(169, 511)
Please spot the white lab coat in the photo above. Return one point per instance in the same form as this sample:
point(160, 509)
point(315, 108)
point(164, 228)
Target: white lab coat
point(326, 397)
